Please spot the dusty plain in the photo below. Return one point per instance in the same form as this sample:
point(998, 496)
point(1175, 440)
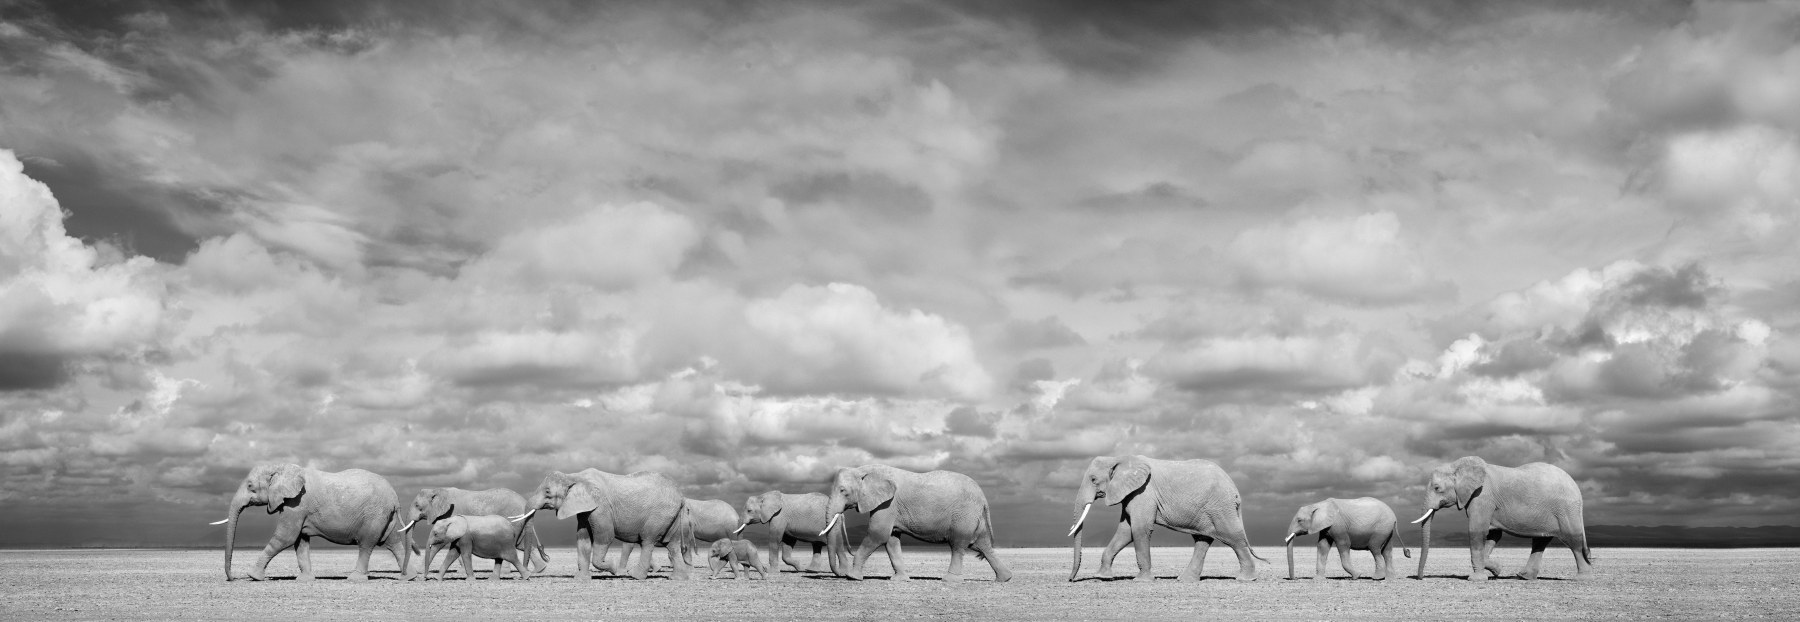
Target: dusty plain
point(1632, 584)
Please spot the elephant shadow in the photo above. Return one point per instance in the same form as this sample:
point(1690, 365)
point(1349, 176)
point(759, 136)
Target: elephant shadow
point(1158, 578)
point(826, 576)
point(1464, 577)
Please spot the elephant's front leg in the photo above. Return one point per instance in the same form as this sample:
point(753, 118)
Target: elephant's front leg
point(1121, 538)
point(1343, 549)
point(287, 535)
point(895, 560)
point(1140, 544)
point(1197, 564)
point(1323, 553)
point(1481, 550)
point(303, 557)
point(787, 552)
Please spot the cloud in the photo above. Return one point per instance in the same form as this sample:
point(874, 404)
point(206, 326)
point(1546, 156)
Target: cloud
point(467, 244)
point(1356, 260)
point(60, 299)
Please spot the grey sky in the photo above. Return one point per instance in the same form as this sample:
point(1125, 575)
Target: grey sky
point(1329, 245)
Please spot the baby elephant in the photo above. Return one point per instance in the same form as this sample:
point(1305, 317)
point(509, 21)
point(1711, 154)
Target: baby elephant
point(491, 537)
point(738, 555)
point(1364, 524)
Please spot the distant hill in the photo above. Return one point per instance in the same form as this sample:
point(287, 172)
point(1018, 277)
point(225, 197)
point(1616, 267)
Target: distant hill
point(1662, 536)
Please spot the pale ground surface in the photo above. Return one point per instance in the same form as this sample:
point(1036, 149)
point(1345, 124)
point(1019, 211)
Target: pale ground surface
point(1634, 584)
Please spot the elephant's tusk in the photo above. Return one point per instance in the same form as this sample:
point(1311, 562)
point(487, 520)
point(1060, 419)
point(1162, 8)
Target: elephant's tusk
point(1078, 521)
point(518, 518)
point(1427, 515)
point(741, 528)
point(833, 523)
point(221, 522)
point(408, 525)
point(1290, 538)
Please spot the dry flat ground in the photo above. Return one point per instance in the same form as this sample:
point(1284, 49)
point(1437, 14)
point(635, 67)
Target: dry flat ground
point(1633, 584)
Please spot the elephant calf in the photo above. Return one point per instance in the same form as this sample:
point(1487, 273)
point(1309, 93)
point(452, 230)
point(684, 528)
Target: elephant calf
point(738, 555)
point(488, 536)
point(1364, 524)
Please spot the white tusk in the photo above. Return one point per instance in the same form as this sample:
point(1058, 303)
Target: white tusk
point(409, 525)
point(833, 523)
point(519, 517)
point(741, 528)
point(1290, 538)
point(1078, 521)
point(1428, 514)
point(221, 522)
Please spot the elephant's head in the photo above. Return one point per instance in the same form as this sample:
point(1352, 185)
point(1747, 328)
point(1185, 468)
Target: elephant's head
point(1314, 518)
point(443, 534)
point(1452, 485)
point(760, 509)
point(721, 551)
point(859, 489)
point(277, 486)
point(567, 494)
point(1109, 478)
point(430, 505)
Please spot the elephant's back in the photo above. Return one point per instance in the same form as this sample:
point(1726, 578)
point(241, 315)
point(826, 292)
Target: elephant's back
point(805, 515)
point(1558, 482)
point(713, 519)
point(502, 501)
point(1211, 478)
point(353, 483)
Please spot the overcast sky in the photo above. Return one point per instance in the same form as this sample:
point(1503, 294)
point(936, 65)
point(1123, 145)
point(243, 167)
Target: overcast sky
point(1328, 245)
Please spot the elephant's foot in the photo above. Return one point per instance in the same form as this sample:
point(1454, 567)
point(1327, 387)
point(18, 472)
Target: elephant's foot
point(900, 576)
point(1478, 576)
point(1144, 576)
point(1104, 573)
point(1527, 574)
point(1251, 576)
point(1187, 578)
point(355, 576)
point(953, 578)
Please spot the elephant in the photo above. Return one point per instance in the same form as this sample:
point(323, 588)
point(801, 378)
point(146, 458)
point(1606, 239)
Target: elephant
point(434, 504)
point(1538, 501)
point(641, 508)
point(486, 536)
point(799, 518)
point(939, 507)
point(1194, 497)
point(1364, 524)
point(350, 507)
point(738, 555)
point(711, 519)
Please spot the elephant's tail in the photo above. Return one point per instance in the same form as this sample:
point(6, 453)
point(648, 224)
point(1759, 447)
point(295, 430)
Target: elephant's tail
point(987, 524)
point(1402, 542)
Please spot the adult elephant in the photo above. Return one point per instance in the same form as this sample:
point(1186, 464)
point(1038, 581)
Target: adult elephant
point(1194, 497)
point(1537, 501)
point(939, 507)
point(434, 504)
point(709, 519)
point(351, 507)
point(793, 519)
point(1364, 524)
point(640, 508)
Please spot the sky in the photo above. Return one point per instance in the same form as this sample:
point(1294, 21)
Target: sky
point(1329, 245)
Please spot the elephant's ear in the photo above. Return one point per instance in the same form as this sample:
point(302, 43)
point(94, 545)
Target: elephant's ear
point(285, 483)
point(1468, 478)
point(1127, 478)
point(581, 498)
point(877, 489)
point(1322, 517)
point(767, 506)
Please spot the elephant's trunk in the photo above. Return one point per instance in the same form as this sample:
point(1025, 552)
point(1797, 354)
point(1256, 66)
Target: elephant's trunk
point(1425, 546)
point(239, 501)
point(1075, 543)
point(1290, 554)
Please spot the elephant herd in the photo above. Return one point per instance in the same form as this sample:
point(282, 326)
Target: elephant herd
point(645, 510)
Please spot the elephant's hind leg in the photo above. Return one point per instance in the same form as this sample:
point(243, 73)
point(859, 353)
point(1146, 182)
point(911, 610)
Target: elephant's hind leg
point(984, 546)
point(818, 559)
point(1530, 571)
point(1197, 564)
point(364, 549)
point(956, 559)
